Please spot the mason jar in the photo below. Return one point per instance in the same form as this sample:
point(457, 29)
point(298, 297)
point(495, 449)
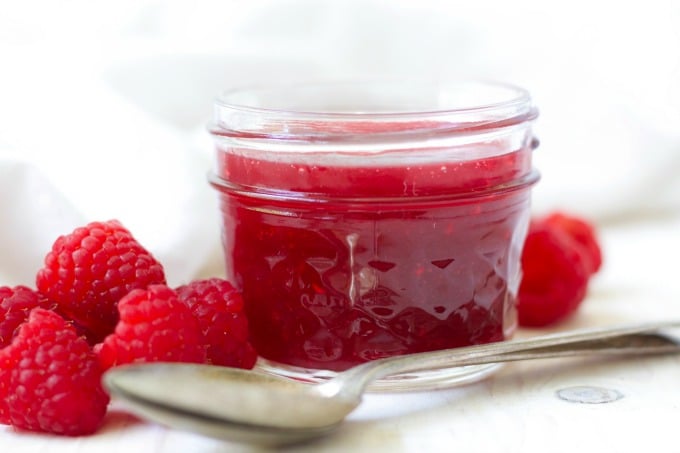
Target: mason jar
point(364, 220)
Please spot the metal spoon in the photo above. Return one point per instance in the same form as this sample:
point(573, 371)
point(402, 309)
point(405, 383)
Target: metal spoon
point(247, 406)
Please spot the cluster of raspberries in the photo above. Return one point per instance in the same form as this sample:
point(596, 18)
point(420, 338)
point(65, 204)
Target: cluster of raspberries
point(101, 300)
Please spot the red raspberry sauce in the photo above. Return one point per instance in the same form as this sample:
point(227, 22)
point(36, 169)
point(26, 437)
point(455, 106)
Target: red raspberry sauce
point(331, 283)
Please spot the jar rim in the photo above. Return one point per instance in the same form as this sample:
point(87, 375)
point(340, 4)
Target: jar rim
point(374, 110)
point(455, 97)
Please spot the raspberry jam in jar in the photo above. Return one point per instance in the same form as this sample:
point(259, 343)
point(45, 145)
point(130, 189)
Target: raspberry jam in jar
point(367, 220)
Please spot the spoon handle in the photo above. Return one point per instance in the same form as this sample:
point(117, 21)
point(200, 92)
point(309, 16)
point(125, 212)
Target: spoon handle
point(629, 339)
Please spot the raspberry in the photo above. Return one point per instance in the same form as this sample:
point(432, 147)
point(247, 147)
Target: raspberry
point(555, 276)
point(154, 326)
point(50, 378)
point(88, 271)
point(15, 305)
point(583, 233)
point(218, 307)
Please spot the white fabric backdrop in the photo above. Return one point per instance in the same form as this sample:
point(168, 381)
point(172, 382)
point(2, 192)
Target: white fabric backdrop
point(103, 105)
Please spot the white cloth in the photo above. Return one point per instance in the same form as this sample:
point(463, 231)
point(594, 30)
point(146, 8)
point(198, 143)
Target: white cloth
point(103, 107)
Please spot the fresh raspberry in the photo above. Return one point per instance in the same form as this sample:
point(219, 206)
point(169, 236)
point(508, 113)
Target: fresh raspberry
point(583, 233)
point(15, 305)
point(51, 378)
point(555, 276)
point(88, 271)
point(154, 326)
point(218, 307)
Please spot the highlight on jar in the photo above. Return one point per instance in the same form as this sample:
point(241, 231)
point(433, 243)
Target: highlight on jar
point(368, 220)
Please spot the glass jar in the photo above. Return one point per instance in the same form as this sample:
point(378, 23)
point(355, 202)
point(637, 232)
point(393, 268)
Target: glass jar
point(366, 220)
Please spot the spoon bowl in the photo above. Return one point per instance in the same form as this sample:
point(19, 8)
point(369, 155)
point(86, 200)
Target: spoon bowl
point(236, 410)
point(254, 407)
